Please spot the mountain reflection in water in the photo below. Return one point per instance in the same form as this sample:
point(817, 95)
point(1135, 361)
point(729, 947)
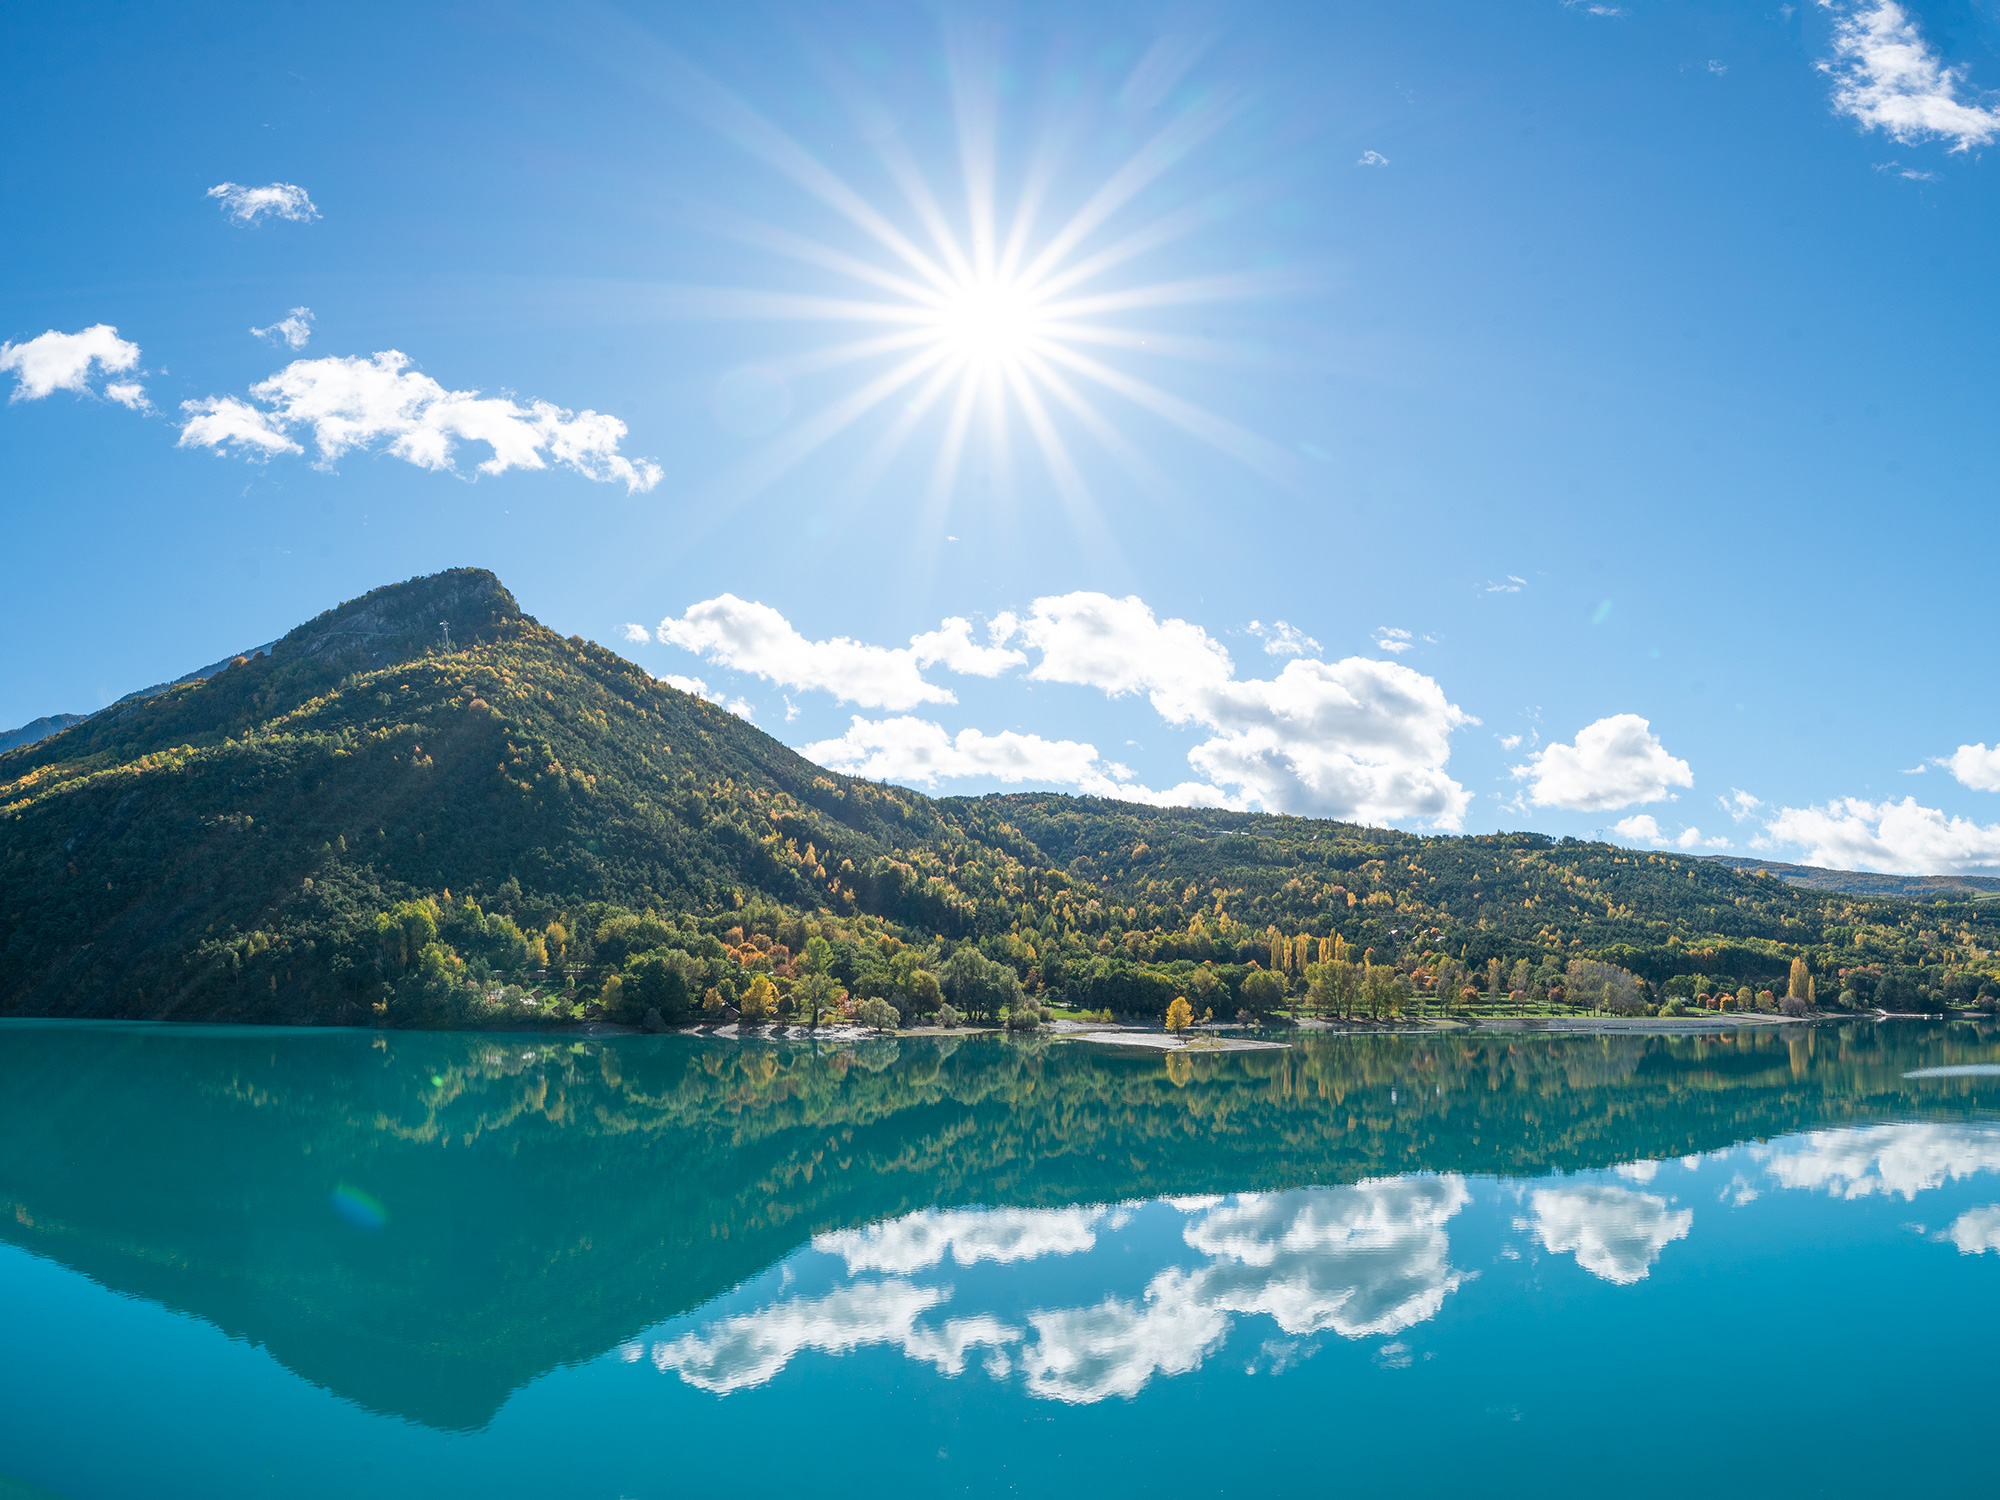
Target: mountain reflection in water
point(424, 1224)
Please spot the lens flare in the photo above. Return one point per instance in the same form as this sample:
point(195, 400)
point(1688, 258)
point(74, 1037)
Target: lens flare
point(358, 1208)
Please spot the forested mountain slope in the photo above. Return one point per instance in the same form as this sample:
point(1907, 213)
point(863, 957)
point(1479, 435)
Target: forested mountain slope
point(366, 825)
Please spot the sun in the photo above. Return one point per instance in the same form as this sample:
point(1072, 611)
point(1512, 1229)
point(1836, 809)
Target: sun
point(989, 323)
point(1001, 316)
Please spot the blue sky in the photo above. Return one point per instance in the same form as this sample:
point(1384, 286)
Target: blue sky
point(1560, 416)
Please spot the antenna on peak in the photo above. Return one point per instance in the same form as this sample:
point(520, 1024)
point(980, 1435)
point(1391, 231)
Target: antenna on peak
point(446, 628)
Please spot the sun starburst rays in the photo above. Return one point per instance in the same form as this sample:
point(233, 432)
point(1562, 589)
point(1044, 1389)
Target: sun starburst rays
point(994, 310)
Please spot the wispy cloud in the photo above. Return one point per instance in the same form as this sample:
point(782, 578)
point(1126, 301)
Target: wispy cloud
point(1281, 639)
point(292, 330)
point(1888, 77)
point(1371, 159)
point(246, 205)
point(1389, 638)
point(1511, 585)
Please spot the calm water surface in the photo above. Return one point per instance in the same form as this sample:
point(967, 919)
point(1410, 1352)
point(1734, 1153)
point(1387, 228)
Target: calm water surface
point(317, 1263)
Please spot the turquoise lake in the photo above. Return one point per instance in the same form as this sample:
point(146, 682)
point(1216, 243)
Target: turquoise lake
point(346, 1263)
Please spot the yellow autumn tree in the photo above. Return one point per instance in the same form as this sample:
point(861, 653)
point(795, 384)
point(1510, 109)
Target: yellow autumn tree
point(759, 1000)
point(1180, 1015)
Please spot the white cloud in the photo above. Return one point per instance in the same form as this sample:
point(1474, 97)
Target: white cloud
point(1739, 804)
point(748, 1350)
point(1975, 1231)
point(246, 205)
point(221, 420)
point(292, 330)
point(1889, 1159)
point(639, 635)
point(1513, 585)
point(1644, 828)
point(1390, 639)
point(1901, 837)
point(1887, 77)
point(1361, 1261)
point(739, 706)
point(1081, 1355)
point(916, 750)
point(1358, 738)
point(1614, 763)
point(350, 403)
point(1638, 1171)
point(951, 647)
point(920, 1240)
point(1371, 159)
point(128, 393)
point(1975, 766)
point(55, 361)
point(1508, 741)
point(1119, 647)
point(1281, 639)
point(1614, 1232)
point(751, 637)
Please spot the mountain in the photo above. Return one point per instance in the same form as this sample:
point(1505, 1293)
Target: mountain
point(1866, 882)
point(37, 729)
point(365, 824)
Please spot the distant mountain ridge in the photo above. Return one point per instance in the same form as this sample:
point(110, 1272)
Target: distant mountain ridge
point(1863, 882)
point(38, 729)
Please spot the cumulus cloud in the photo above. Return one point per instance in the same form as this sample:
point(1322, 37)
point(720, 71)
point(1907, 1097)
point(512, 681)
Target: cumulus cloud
point(1081, 1355)
point(348, 403)
point(748, 1350)
point(1640, 828)
point(1614, 763)
point(1888, 78)
point(1357, 738)
point(919, 751)
point(700, 689)
point(246, 205)
point(1899, 1160)
point(1644, 828)
point(1281, 639)
point(755, 638)
point(639, 635)
point(1899, 837)
point(1975, 766)
point(951, 647)
point(55, 361)
point(1360, 1261)
point(292, 330)
point(918, 1241)
point(1614, 1232)
point(1976, 1230)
